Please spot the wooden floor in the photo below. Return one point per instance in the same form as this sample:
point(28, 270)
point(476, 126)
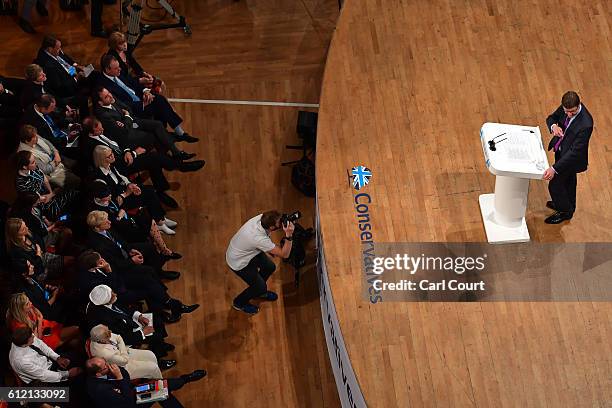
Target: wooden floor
point(407, 86)
point(248, 50)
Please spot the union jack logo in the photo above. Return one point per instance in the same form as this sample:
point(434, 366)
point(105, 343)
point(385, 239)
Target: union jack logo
point(361, 176)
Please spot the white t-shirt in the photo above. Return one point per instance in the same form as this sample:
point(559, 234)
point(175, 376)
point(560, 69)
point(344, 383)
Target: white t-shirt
point(248, 242)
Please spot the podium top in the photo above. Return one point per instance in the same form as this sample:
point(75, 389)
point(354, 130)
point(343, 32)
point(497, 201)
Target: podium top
point(516, 151)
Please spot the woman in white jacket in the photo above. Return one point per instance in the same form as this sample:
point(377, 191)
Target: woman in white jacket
point(110, 346)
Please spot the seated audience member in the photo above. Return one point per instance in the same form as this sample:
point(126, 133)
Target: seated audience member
point(129, 195)
point(36, 363)
point(122, 124)
point(48, 159)
point(110, 347)
point(132, 257)
point(139, 98)
point(64, 76)
point(35, 78)
point(129, 287)
point(21, 246)
point(118, 48)
point(131, 159)
point(54, 128)
point(22, 313)
point(53, 203)
point(136, 227)
point(49, 299)
point(109, 385)
point(52, 234)
point(132, 326)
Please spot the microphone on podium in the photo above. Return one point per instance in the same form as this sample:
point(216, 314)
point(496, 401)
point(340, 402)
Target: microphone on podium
point(492, 142)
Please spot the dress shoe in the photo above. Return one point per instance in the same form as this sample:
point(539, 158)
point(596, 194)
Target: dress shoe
point(170, 223)
point(558, 217)
point(191, 166)
point(188, 308)
point(186, 137)
point(100, 34)
point(167, 346)
point(182, 155)
point(551, 205)
point(164, 228)
point(166, 364)
point(41, 9)
point(169, 275)
point(194, 376)
point(26, 26)
point(171, 255)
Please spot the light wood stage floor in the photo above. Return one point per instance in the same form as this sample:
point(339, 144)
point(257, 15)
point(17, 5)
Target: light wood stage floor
point(407, 86)
point(258, 50)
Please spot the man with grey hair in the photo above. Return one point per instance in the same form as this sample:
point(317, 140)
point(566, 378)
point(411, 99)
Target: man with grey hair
point(138, 363)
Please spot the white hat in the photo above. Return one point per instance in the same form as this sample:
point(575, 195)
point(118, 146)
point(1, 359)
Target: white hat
point(100, 295)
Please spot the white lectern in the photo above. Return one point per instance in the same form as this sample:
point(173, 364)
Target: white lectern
point(514, 154)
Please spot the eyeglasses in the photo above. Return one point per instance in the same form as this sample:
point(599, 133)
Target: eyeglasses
point(570, 111)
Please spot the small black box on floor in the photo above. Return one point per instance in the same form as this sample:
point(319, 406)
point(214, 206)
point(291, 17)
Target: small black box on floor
point(307, 127)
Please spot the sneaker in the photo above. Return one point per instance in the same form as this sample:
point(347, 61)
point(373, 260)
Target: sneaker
point(248, 308)
point(165, 229)
point(269, 296)
point(170, 223)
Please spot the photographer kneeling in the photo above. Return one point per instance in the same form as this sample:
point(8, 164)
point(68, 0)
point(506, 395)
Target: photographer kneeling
point(246, 256)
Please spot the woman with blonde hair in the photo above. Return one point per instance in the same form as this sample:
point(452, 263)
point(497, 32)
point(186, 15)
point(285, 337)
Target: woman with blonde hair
point(21, 246)
point(112, 348)
point(129, 196)
point(20, 312)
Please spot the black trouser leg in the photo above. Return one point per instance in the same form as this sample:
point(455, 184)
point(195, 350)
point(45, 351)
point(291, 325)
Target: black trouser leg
point(151, 162)
point(572, 183)
point(158, 129)
point(161, 110)
point(562, 190)
point(255, 274)
point(150, 255)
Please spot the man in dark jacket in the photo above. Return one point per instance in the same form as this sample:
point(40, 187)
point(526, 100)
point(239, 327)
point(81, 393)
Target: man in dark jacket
point(109, 386)
point(94, 271)
point(571, 126)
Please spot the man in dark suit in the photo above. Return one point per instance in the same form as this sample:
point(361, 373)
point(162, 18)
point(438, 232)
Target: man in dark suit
point(109, 386)
point(120, 122)
point(94, 271)
point(129, 91)
point(52, 126)
point(571, 125)
point(63, 73)
point(131, 325)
